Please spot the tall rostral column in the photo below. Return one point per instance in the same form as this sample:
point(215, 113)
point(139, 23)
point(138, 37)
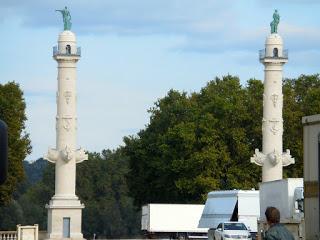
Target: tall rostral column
point(65, 209)
point(273, 57)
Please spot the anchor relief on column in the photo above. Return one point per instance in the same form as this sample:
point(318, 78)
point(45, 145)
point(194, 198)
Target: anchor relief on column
point(274, 128)
point(273, 125)
point(274, 99)
point(277, 100)
point(65, 122)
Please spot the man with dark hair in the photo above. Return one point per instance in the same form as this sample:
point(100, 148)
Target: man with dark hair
point(276, 230)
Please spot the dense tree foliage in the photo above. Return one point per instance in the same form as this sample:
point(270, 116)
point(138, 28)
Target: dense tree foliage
point(102, 186)
point(201, 142)
point(301, 98)
point(12, 111)
point(28, 205)
point(197, 143)
point(34, 170)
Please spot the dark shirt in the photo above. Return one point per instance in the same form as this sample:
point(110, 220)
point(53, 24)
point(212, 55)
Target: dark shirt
point(278, 232)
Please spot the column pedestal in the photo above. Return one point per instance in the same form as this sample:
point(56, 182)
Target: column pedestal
point(64, 218)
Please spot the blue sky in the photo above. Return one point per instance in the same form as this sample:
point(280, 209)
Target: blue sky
point(134, 51)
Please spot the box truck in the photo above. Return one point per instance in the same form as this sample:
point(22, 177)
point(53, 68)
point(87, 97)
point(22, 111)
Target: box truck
point(172, 221)
point(234, 205)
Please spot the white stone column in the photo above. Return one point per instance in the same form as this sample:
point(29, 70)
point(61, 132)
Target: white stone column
point(272, 159)
point(65, 206)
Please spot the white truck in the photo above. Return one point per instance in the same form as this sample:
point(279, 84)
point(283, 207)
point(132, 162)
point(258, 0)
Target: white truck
point(235, 205)
point(172, 221)
point(287, 195)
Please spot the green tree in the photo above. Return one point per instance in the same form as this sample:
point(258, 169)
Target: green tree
point(101, 185)
point(33, 201)
point(196, 143)
point(301, 98)
point(167, 135)
point(12, 111)
point(11, 214)
point(201, 142)
point(227, 101)
point(30, 197)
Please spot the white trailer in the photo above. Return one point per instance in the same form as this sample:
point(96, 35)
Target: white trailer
point(172, 221)
point(311, 169)
point(236, 205)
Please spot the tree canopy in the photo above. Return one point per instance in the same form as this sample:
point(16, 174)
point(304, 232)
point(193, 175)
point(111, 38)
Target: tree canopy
point(203, 141)
point(12, 111)
point(102, 187)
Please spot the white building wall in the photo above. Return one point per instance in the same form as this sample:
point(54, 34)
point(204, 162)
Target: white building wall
point(311, 131)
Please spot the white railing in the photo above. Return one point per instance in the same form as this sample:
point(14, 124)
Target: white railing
point(8, 235)
point(263, 55)
point(66, 52)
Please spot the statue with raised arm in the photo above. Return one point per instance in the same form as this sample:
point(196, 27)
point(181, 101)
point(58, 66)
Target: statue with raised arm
point(275, 22)
point(66, 18)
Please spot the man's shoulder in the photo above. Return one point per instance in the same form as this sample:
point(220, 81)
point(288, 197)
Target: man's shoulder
point(278, 231)
point(272, 233)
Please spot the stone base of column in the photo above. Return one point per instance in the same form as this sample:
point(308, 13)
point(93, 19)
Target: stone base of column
point(64, 218)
